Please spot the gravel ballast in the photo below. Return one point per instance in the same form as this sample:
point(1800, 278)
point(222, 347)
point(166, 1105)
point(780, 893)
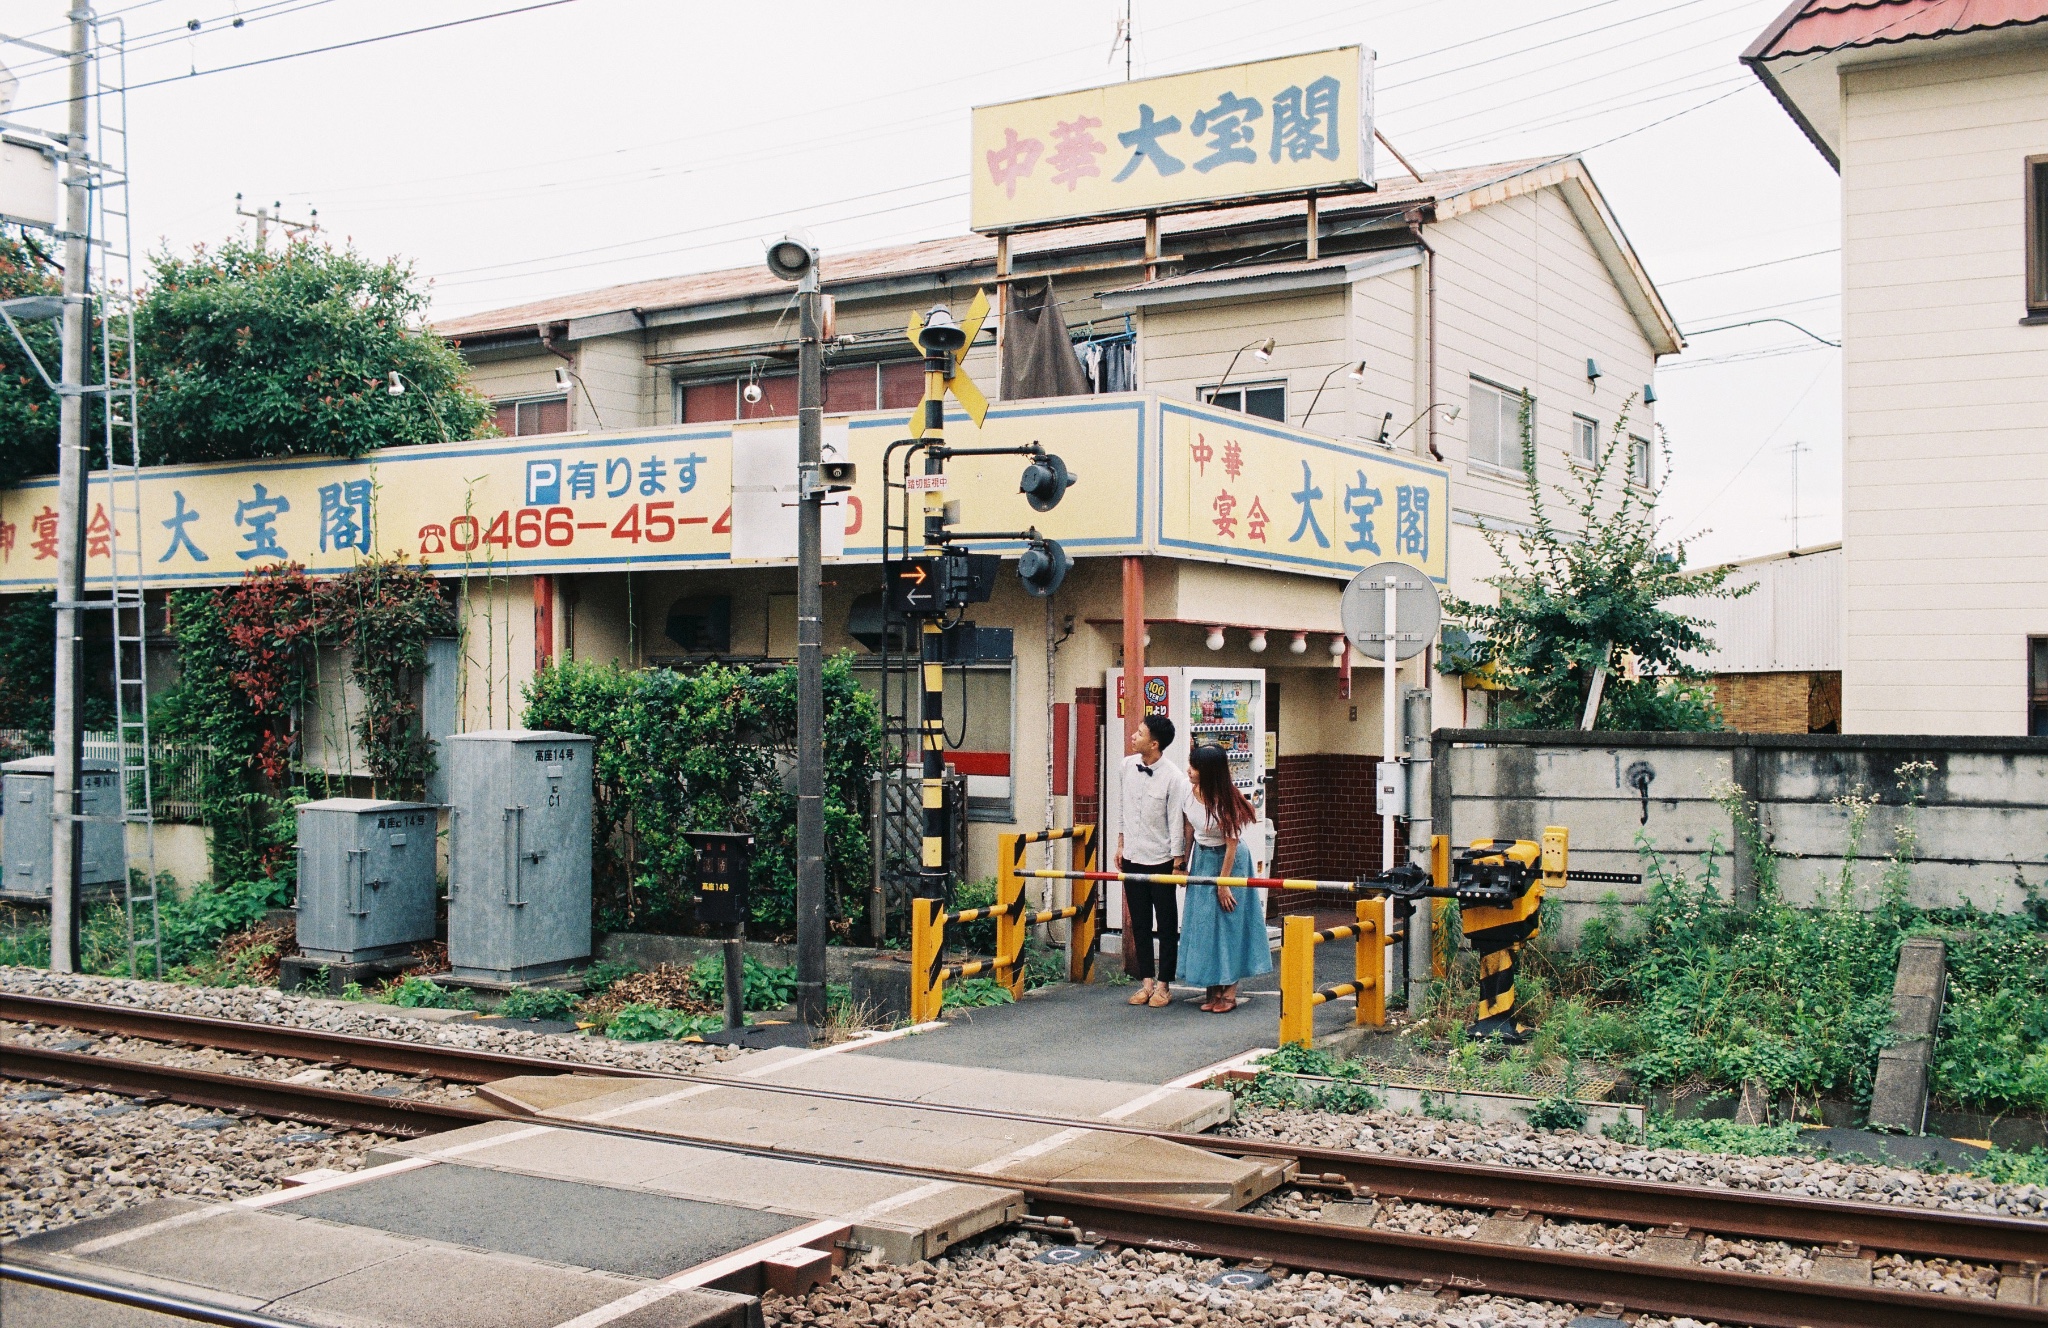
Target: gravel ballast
point(66, 1157)
point(997, 1283)
point(267, 1005)
point(1402, 1135)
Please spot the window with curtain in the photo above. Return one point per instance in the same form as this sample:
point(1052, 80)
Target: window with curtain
point(1639, 461)
point(1585, 440)
point(516, 419)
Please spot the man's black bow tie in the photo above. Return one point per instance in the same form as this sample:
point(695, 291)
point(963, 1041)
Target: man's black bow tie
point(1144, 769)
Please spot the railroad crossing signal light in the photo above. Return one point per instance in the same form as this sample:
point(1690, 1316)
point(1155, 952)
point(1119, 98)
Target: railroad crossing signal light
point(939, 338)
point(1046, 481)
point(1043, 566)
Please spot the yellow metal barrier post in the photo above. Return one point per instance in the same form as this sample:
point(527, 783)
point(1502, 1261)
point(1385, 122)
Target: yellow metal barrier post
point(1373, 925)
point(1010, 927)
point(1087, 915)
point(1297, 980)
point(1443, 943)
point(927, 945)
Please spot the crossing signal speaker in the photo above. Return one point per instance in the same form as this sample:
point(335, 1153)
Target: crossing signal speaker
point(791, 259)
point(1046, 481)
point(1043, 566)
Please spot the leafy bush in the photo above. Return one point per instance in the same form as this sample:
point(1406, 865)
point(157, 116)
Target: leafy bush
point(2004, 1168)
point(1346, 1098)
point(651, 1023)
point(598, 978)
point(413, 992)
point(762, 986)
point(544, 1003)
point(1723, 1136)
point(28, 410)
point(287, 352)
point(1556, 1112)
point(1992, 1050)
point(1264, 1089)
point(705, 750)
point(977, 937)
point(973, 992)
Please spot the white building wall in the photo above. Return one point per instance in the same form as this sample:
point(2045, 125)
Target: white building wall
point(1945, 466)
point(1791, 622)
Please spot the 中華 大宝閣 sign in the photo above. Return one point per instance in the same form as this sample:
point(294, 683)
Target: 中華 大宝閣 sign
point(1296, 125)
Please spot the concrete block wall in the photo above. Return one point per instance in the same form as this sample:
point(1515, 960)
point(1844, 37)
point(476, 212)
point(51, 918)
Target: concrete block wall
point(1981, 828)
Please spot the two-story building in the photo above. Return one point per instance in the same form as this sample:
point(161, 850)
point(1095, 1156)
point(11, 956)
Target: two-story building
point(1935, 115)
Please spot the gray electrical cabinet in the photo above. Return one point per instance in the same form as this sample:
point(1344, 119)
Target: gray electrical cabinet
point(27, 786)
point(366, 878)
point(518, 853)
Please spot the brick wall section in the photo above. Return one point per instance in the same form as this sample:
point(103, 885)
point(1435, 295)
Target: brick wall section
point(1779, 702)
point(1088, 809)
point(1326, 824)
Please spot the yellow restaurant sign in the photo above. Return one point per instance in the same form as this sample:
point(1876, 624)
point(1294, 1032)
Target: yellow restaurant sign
point(1156, 476)
point(1294, 125)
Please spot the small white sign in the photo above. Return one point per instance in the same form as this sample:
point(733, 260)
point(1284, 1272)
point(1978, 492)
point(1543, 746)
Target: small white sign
point(28, 183)
point(924, 483)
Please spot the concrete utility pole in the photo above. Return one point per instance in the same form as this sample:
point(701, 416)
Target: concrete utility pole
point(810, 653)
point(68, 738)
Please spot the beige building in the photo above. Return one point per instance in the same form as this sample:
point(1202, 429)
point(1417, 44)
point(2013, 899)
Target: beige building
point(1459, 293)
point(1936, 117)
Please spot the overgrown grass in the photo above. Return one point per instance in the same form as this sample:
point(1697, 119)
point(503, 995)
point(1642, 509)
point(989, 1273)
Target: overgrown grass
point(1722, 1136)
point(651, 1023)
point(542, 1003)
point(192, 925)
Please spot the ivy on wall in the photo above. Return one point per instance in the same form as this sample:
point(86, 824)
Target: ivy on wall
point(248, 656)
point(711, 749)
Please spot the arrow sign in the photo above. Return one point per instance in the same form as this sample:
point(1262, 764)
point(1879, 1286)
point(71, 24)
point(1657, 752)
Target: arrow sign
point(917, 587)
point(957, 383)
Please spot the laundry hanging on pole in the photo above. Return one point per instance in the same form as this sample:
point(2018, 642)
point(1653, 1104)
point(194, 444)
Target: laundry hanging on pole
point(1038, 352)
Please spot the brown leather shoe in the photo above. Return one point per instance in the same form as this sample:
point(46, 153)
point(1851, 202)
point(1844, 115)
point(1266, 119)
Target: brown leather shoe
point(1162, 995)
point(1142, 994)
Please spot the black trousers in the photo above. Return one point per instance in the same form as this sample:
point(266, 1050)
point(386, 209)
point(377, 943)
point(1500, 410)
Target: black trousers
point(1149, 911)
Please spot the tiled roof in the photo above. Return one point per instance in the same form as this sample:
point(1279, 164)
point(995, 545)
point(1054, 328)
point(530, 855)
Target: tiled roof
point(1811, 27)
point(1395, 194)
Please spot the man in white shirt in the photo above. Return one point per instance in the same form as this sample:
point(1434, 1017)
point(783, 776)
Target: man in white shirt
point(1151, 818)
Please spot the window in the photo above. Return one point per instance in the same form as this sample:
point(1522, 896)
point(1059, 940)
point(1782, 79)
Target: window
point(516, 419)
point(1639, 461)
point(981, 725)
point(2037, 237)
point(2037, 687)
point(1265, 400)
point(1496, 438)
point(1585, 440)
point(848, 388)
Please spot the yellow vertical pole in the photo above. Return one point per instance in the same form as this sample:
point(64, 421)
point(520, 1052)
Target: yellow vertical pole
point(1374, 918)
point(1010, 906)
point(1297, 980)
point(1441, 945)
point(1087, 901)
point(927, 944)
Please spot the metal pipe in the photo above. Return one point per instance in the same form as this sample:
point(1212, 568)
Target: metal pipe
point(176, 1306)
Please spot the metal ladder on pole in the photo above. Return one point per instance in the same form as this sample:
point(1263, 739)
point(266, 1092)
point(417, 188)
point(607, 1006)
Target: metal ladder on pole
point(128, 604)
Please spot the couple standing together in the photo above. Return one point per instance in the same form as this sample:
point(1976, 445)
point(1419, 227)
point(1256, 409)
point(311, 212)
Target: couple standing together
point(1225, 936)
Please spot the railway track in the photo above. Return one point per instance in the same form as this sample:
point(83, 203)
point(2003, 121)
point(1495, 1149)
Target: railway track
point(1324, 1246)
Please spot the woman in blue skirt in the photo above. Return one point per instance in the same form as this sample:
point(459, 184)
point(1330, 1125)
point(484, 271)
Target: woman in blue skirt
point(1223, 939)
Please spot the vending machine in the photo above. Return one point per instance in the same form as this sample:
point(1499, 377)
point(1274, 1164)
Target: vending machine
point(1225, 707)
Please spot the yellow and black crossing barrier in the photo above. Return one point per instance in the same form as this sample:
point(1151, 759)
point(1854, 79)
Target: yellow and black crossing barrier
point(1299, 996)
point(929, 972)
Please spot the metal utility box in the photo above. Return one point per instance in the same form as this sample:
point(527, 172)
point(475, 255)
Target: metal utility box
point(366, 878)
point(518, 853)
point(723, 863)
point(27, 786)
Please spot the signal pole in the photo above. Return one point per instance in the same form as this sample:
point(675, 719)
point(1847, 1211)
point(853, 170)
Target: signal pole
point(938, 365)
point(67, 737)
point(810, 653)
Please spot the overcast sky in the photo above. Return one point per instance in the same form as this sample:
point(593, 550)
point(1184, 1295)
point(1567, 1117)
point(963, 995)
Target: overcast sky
point(590, 142)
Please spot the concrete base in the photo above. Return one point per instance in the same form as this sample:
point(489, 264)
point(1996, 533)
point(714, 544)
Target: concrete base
point(1898, 1098)
point(882, 988)
point(903, 1219)
point(307, 1270)
point(567, 976)
point(304, 973)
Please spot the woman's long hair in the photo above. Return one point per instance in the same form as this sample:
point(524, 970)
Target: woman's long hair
point(1226, 805)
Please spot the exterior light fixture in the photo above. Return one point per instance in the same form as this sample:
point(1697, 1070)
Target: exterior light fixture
point(1357, 376)
point(1265, 350)
point(1649, 394)
point(1261, 351)
point(396, 384)
point(1258, 641)
point(1215, 638)
point(1299, 645)
point(1592, 370)
point(1337, 646)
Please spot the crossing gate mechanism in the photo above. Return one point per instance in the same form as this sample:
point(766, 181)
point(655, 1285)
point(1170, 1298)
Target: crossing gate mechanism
point(929, 971)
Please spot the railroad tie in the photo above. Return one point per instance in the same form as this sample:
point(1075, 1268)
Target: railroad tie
point(2020, 1283)
point(1677, 1245)
point(1514, 1226)
point(1843, 1264)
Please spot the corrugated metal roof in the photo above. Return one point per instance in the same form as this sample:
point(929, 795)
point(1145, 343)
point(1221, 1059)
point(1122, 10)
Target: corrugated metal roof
point(968, 251)
point(1814, 26)
point(1791, 622)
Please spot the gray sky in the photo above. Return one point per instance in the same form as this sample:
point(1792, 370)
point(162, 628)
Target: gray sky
point(600, 141)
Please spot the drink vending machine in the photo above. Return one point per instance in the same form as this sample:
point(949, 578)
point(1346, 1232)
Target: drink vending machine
point(1226, 707)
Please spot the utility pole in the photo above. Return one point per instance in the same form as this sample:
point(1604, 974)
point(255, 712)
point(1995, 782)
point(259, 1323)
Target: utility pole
point(810, 652)
point(68, 738)
point(1797, 448)
point(263, 216)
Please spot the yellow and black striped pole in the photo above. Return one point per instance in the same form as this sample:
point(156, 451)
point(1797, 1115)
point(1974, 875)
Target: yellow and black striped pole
point(933, 874)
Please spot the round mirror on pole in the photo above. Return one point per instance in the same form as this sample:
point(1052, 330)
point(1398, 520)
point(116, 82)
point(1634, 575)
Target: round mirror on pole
point(1363, 611)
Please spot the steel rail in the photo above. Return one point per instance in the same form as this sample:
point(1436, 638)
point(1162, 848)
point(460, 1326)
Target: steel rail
point(1924, 1232)
point(452, 1064)
point(1544, 1274)
point(405, 1117)
point(176, 1307)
